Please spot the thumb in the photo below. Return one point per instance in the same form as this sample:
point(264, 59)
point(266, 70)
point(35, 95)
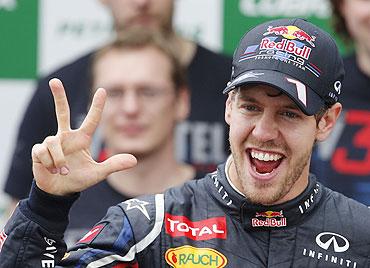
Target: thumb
point(116, 163)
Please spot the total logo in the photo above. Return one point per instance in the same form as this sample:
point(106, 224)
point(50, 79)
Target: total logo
point(198, 230)
point(270, 219)
point(188, 256)
point(331, 243)
point(291, 32)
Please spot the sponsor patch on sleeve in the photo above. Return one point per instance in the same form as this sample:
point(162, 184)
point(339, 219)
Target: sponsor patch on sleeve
point(87, 238)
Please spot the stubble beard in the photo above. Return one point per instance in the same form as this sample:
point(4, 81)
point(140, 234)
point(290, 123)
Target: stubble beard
point(268, 193)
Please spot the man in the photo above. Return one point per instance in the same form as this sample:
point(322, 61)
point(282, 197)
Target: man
point(206, 72)
point(261, 208)
point(344, 159)
point(144, 105)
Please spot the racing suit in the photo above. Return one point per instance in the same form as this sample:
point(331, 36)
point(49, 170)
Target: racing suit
point(204, 223)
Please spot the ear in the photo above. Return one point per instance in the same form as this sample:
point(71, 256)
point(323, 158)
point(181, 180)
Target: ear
point(182, 103)
point(327, 122)
point(228, 107)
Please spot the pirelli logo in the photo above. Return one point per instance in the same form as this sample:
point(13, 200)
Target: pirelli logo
point(3, 237)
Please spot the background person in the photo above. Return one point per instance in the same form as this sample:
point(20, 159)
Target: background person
point(201, 139)
point(147, 96)
point(343, 161)
point(261, 208)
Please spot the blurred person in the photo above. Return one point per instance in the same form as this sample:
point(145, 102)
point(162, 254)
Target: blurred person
point(147, 96)
point(343, 161)
point(260, 208)
point(200, 140)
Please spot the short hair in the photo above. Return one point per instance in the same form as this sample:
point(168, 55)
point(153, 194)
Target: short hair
point(137, 38)
point(339, 22)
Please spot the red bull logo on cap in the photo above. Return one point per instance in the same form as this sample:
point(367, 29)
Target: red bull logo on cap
point(291, 32)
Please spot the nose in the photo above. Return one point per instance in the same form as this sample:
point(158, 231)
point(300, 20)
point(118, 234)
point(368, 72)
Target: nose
point(266, 128)
point(130, 104)
point(141, 3)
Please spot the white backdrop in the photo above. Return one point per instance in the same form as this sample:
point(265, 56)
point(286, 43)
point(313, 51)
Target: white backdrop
point(69, 28)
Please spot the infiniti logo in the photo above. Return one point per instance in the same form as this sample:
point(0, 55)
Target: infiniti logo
point(325, 239)
point(330, 240)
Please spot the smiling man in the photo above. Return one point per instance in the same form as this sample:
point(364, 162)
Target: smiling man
point(261, 208)
point(282, 98)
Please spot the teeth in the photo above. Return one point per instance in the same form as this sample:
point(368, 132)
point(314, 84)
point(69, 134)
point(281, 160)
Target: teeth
point(265, 156)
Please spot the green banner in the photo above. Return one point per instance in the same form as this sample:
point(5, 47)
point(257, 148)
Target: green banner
point(242, 15)
point(18, 38)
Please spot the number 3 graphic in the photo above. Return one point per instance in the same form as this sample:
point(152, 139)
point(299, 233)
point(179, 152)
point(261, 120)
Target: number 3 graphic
point(341, 161)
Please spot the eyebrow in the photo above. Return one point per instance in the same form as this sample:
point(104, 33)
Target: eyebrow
point(291, 106)
point(247, 98)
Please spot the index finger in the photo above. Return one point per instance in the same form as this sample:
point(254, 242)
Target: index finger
point(61, 104)
point(92, 118)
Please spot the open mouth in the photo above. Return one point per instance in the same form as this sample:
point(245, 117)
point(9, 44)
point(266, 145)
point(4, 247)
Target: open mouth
point(265, 163)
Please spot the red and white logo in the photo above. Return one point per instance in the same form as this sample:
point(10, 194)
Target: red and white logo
point(291, 32)
point(196, 230)
point(3, 237)
point(270, 219)
point(286, 46)
point(91, 234)
point(126, 265)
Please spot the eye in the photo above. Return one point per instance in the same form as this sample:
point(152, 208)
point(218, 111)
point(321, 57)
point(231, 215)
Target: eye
point(150, 92)
point(147, 92)
point(290, 114)
point(114, 93)
point(250, 107)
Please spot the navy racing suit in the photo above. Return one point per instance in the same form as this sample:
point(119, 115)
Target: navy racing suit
point(204, 223)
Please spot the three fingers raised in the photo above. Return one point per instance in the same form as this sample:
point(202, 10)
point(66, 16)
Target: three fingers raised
point(49, 154)
point(93, 117)
point(116, 163)
point(61, 104)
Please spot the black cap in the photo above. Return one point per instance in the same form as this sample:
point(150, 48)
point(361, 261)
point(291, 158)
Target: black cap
point(294, 56)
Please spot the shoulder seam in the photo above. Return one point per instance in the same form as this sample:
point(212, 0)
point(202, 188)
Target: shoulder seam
point(142, 244)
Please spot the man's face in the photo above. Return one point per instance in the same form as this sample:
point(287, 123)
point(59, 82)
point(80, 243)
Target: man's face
point(142, 107)
point(155, 14)
point(357, 16)
point(271, 141)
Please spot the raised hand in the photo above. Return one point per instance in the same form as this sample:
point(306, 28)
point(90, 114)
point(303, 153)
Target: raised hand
point(62, 164)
